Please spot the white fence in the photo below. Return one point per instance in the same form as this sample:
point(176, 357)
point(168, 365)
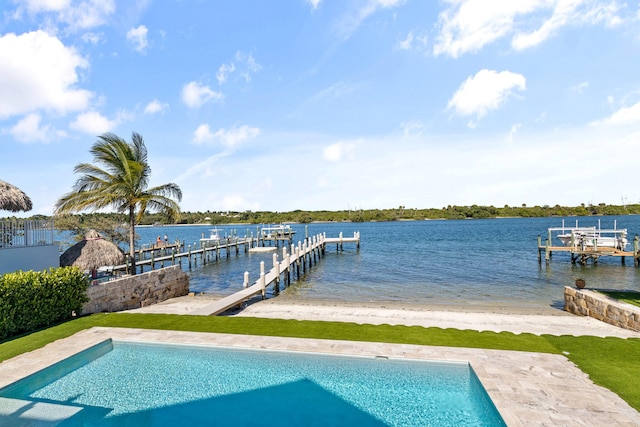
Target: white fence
point(22, 233)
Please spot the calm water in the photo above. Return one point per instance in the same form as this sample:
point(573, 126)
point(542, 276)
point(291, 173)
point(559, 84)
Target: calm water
point(466, 262)
point(182, 385)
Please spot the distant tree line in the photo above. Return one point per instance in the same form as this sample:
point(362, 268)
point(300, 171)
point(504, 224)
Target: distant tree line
point(114, 225)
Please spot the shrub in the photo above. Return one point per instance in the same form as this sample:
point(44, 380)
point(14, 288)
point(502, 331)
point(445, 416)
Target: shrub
point(35, 299)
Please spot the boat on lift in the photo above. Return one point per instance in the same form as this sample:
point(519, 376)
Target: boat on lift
point(277, 232)
point(591, 237)
point(214, 237)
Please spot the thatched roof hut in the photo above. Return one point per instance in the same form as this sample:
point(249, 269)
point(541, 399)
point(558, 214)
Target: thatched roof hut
point(92, 252)
point(13, 199)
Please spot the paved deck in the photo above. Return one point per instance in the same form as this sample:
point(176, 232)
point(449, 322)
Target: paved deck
point(529, 389)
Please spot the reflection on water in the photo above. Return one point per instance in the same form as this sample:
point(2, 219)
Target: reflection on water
point(471, 262)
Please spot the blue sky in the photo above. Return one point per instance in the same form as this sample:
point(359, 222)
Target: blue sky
point(327, 104)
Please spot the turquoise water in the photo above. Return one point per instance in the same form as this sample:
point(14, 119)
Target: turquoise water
point(159, 385)
point(455, 262)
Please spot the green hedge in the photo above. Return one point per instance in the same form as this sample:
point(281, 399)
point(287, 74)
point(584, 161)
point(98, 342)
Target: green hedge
point(33, 299)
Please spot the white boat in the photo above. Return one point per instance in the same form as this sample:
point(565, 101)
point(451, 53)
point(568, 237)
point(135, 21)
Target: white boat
point(592, 236)
point(277, 232)
point(214, 236)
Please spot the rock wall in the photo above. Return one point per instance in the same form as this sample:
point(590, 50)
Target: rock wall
point(137, 291)
point(599, 306)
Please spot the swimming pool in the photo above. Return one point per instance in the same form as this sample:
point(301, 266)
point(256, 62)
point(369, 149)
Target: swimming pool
point(118, 383)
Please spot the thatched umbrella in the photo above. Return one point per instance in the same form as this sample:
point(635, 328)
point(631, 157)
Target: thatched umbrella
point(92, 252)
point(13, 199)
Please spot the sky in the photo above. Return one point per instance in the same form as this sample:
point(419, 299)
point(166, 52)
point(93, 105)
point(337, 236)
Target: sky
point(329, 104)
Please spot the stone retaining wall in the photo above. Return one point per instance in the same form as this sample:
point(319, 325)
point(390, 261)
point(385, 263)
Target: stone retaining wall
point(585, 302)
point(137, 291)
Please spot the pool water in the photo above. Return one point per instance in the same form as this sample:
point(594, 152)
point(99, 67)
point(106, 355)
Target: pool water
point(120, 384)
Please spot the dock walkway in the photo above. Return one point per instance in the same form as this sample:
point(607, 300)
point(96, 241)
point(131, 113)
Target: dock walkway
point(304, 254)
point(149, 257)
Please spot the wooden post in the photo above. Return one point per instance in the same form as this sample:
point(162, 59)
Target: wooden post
point(539, 250)
point(547, 251)
point(203, 246)
point(261, 281)
point(285, 269)
point(152, 259)
point(315, 247)
point(304, 257)
point(276, 265)
point(189, 251)
point(262, 286)
point(245, 283)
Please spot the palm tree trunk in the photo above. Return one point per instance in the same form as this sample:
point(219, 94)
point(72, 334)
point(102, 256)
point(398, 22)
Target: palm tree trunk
point(132, 239)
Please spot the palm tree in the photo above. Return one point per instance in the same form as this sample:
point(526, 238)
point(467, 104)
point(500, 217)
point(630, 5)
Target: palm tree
point(122, 184)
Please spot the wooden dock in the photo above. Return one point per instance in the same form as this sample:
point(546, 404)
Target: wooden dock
point(340, 240)
point(170, 254)
point(582, 254)
point(299, 258)
point(161, 255)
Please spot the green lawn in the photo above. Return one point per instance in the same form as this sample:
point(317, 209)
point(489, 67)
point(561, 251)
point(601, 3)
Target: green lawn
point(610, 362)
point(630, 297)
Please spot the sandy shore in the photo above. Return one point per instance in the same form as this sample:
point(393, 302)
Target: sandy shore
point(498, 319)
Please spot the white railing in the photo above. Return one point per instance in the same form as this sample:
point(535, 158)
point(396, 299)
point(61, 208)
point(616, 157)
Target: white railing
point(21, 233)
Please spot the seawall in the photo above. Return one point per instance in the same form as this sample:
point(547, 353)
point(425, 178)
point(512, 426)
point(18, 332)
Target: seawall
point(585, 302)
point(137, 291)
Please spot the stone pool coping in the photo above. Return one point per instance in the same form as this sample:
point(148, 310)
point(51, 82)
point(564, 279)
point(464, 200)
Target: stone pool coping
point(529, 389)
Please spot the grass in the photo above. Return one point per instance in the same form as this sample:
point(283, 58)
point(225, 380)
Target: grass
point(610, 362)
point(630, 297)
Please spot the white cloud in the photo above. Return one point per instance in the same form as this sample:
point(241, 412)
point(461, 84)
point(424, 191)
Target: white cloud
point(93, 38)
point(155, 106)
point(314, 3)
point(580, 87)
point(336, 90)
point(93, 123)
point(406, 43)
point(412, 128)
point(248, 63)
point(37, 71)
point(228, 138)
point(224, 71)
point(88, 14)
point(243, 63)
point(75, 15)
point(469, 25)
point(624, 116)
point(412, 42)
point(351, 21)
point(203, 134)
point(36, 6)
point(29, 129)
point(512, 133)
point(484, 92)
point(338, 151)
point(195, 95)
point(569, 12)
point(138, 38)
